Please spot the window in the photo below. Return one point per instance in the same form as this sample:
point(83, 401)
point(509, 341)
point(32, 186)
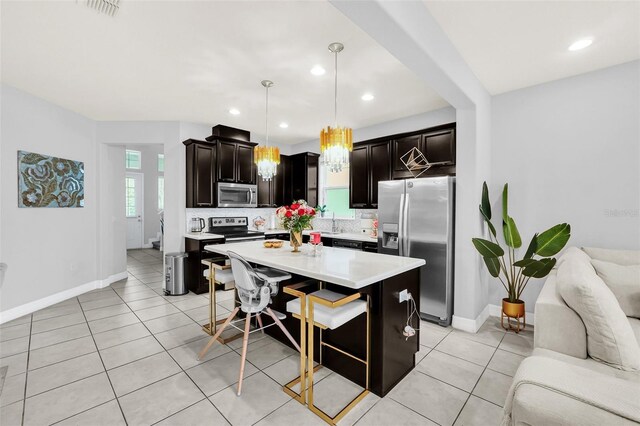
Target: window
point(160, 192)
point(161, 163)
point(334, 192)
point(133, 159)
point(130, 196)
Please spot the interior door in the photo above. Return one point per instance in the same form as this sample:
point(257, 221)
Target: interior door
point(134, 194)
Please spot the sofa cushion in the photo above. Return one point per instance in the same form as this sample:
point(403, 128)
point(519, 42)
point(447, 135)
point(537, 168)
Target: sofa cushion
point(624, 282)
point(610, 338)
point(573, 253)
point(621, 257)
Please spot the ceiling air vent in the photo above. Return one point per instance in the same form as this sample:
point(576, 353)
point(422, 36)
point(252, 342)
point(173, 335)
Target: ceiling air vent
point(108, 7)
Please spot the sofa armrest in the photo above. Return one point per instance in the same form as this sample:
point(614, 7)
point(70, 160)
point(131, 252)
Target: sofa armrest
point(548, 391)
point(557, 326)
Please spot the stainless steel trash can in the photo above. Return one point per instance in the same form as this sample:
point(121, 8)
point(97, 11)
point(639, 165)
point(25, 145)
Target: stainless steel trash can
point(174, 274)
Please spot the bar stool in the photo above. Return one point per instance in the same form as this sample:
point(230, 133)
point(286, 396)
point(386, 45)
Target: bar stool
point(217, 273)
point(327, 309)
point(255, 288)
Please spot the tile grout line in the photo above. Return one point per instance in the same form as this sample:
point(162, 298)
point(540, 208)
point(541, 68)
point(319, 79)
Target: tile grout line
point(26, 374)
point(105, 369)
point(478, 381)
point(179, 366)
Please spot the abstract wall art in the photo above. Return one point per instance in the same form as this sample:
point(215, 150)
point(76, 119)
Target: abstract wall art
point(45, 181)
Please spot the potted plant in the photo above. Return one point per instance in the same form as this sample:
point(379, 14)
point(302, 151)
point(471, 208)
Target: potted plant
point(515, 274)
point(322, 209)
point(295, 218)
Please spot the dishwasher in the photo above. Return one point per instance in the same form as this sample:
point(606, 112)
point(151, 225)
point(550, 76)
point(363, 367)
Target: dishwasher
point(347, 244)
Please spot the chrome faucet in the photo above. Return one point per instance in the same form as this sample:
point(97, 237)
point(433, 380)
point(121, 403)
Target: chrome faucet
point(334, 225)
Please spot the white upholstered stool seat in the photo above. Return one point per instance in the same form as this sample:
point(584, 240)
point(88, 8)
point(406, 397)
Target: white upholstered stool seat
point(223, 276)
point(330, 317)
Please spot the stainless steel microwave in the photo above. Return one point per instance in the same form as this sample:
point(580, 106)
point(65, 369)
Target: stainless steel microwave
point(237, 195)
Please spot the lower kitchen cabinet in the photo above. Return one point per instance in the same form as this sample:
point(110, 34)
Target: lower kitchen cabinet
point(193, 273)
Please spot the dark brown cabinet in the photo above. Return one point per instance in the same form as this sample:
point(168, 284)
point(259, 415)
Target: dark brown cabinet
point(245, 167)
point(370, 164)
point(277, 191)
point(304, 177)
point(438, 144)
point(193, 273)
point(216, 160)
point(201, 163)
point(226, 161)
point(235, 161)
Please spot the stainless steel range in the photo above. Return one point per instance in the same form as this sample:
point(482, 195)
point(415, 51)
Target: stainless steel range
point(233, 229)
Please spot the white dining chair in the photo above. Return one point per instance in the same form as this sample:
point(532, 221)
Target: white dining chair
point(254, 287)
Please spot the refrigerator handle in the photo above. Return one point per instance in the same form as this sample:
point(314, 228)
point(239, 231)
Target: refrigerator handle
point(401, 227)
point(405, 224)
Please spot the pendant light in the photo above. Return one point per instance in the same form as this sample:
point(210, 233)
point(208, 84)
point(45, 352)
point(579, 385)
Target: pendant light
point(267, 157)
point(336, 143)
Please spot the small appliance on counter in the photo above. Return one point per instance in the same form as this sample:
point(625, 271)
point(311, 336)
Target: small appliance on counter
point(197, 224)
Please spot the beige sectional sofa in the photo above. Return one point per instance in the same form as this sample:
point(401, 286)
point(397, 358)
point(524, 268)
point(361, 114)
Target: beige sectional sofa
point(560, 383)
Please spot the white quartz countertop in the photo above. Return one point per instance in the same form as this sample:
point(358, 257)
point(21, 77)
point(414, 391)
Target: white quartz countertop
point(348, 268)
point(202, 236)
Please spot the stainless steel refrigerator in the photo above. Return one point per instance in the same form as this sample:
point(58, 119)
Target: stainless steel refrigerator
point(416, 219)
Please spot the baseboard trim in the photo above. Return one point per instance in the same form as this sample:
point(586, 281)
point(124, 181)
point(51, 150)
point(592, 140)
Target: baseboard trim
point(495, 311)
point(470, 325)
point(45, 302)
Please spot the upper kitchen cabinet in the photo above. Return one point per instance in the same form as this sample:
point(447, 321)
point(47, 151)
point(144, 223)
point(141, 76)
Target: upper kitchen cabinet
point(438, 144)
point(277, 191)
point(370, 163)
point(304, 177)
point(234, 160)
point(201, 162)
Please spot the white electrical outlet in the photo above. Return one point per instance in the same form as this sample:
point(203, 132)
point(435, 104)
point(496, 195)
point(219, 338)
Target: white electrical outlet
point(403, 295)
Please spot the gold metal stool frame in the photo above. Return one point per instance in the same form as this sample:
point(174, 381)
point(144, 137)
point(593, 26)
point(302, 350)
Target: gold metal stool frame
point(294, 290)
point(311, 323)
point(211, 326)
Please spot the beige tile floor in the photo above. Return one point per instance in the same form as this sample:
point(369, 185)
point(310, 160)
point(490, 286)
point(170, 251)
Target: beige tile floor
point(127, 355)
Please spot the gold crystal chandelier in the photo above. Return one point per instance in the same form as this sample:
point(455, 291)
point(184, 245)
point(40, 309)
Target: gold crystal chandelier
point(336, 142)
point(267, 157)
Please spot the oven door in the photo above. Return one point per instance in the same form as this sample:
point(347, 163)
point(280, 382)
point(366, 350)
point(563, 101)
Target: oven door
point(237, 195)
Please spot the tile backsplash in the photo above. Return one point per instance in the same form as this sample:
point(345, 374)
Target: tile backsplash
point(321, 224)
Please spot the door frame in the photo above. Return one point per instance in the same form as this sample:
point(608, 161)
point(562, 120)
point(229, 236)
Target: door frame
point(141, 175)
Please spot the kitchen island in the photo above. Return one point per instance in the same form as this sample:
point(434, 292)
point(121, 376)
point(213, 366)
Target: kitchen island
point(379, 276)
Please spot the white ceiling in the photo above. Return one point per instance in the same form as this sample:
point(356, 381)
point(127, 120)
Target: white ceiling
point(514, 44)
point(192, 61)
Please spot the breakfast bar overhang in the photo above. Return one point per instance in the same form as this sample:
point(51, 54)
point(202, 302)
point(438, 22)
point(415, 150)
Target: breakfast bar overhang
point(381, 277)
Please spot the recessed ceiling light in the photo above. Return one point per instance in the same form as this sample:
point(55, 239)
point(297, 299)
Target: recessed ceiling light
point(581, 44)
point(234, 111)
point(283, 125)
point(318, 70)
point(367, 97)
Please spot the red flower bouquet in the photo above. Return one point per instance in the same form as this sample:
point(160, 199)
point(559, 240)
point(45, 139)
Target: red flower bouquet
point(297, 216)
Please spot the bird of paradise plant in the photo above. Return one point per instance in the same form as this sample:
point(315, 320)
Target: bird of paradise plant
point(515, 274)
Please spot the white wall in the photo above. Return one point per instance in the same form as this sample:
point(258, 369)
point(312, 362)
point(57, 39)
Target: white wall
point(112, 225)
point(149, 168)
point(570, 151)
point(48, 250)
